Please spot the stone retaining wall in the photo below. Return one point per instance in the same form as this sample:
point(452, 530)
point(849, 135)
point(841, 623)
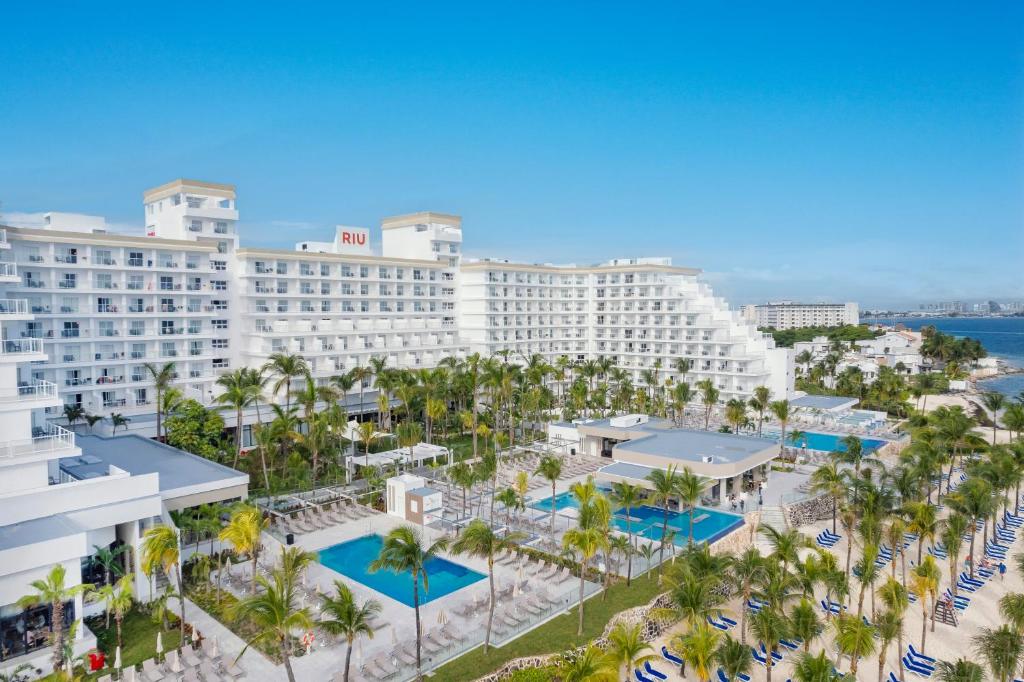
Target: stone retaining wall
point(808, 511)
point(652, 629)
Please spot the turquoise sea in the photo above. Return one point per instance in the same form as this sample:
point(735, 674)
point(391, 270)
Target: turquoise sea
point(1002, 337)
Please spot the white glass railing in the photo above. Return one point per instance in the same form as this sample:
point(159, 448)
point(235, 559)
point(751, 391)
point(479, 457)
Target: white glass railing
point(13, 306)
point(20, 346)
point(38, 390)
point(52, 438)
point(8, 270)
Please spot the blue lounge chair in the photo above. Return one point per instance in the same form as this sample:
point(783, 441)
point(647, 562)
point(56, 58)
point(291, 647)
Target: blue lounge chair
point(715, 624)
point(965, 577)
point(918, 670)
point(728, 621)
point(640, 677)
point(834, 608)
point(892, 677)
point(792, 646)
point(758, 658)
point(654, 671)
point(776, 656)
point(723, 678)
point(917, 655)
point(669, 656)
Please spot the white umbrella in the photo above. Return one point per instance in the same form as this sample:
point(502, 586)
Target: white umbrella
point(359, 653)
point(129, 674)
point(117, 658)
point(159, 643)
point(214, 651)
point(394, 636)
point(175, 664)
point(442, 618)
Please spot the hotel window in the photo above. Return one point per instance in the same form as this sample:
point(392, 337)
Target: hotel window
point(69, 304)
point(219, 324)
point(219, 265)
point(220, 227)
point(325, 306)
point(364, 271)
point(103, 257)
point(325, 270)
point(219, 344)
point(282, 268)
point(69, 282)
point(136, 328)
point(219, 284)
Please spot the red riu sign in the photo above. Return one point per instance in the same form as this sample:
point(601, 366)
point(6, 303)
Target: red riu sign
point(357, 238)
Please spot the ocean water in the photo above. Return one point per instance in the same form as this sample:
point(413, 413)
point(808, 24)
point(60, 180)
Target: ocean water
point(1002, 337)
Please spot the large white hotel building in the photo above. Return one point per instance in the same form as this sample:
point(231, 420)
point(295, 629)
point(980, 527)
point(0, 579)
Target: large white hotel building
point(103, 304)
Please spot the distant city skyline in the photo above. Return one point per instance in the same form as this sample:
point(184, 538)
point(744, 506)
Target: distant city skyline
point(834, 153)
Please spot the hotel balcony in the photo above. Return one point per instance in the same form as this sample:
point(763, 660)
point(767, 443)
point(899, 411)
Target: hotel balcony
point(9, 273)
point(22, 350)
point(4, 244)
point(48, 442)
point(14, 309)
point(38, 394)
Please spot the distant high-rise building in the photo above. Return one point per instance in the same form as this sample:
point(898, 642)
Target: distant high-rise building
point(790, 315)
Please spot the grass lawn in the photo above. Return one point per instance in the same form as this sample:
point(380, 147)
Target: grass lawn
point(558, 634)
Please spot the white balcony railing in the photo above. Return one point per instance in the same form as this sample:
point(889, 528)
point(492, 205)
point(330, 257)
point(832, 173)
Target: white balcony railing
point(39, 390)
point(52, 438)
point(21, 346)
point(13, 306)
point(8, 270)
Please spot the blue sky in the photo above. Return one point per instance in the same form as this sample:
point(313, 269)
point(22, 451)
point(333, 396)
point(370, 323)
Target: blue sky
point(871, 151)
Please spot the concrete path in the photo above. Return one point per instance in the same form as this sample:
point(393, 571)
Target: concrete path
point(256, 665)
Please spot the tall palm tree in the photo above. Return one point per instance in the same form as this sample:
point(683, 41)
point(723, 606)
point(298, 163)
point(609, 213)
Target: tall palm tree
point(816, 668)
point(410, 434)
point(73, 414)
point(1011, 608)
point(550, 467)
point(1001, 648)
point(854, 637)
point(921, 584)
point(367, 432)
point(780, 408)
point(699, 648)
point(709, 398)
point(664, 488)
point(109, 560)
point(162, 376)
point(585, 543)
point(626, 495)
point(952, 538)
point(974, 499)
point(993, 401)
point(786, 544)
point(896, 599)
point(341, 615)
point(769, 626)
point(887, 627)
point(121, 602)
point(274, 610)
point(747, 569)
point(759, 403)
point(243, 534)
point(736, 413)
point(734, 658)
point(627, 647)
point(960, 670)
point(804, 622)
point(480, 541)
point(828, 479)
point(403, 551)
point(690, 487)
point(241, 389)
point(591, 665)
point(161, 549)
point(285, 367)
point(54, 591)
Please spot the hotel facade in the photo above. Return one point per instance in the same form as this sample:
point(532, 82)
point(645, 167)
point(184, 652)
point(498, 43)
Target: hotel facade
point(102, 305)
point(789, 315)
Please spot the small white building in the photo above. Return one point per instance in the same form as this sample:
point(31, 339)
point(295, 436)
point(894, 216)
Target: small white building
point(411, 499)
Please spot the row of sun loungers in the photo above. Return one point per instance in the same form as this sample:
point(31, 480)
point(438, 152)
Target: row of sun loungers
point(204, 665)
point(308, 520)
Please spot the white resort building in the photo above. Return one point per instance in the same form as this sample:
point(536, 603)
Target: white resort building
point(103, 304)
point(790, 315)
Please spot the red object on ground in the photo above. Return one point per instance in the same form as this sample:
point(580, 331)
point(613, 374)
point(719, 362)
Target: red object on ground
point(96, 661)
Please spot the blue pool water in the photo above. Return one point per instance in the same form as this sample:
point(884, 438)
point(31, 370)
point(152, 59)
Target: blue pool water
point(352, 558)
point(709, 524)
point(829, 442)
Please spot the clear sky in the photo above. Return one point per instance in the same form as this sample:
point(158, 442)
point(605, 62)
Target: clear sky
point(863, 151)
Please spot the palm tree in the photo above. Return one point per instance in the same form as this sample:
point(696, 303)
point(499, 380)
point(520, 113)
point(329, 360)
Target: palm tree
point(480, 541)
point(952, 538)
point(734, 658)
point(828, 479)
point(816, 668)
point(626, 647)
point(896, 600)
point(1011, 608)
point(973, 499)
point(73, 414)
point(888, 626)
point(410, 434)
point(242, 388)
point(690, 487)
point(403, 552)
point(1002, 650)
point(759, 403)
point(273, 610)
point(921, 584)
point(780, 408)
point(699, 647)
point(591, 665)
point(162, 376)
point(993, 401)
point(854, 637)
point(109, 560)
point(243, 534)
point(708, 398)
point(117, 420)
point(161, 549)
point(960, 670)
point(769, 626)
point(343, 616)
point(664, 484)
point(121, 602)
point(52, 590)
point(785, 544)
point(626, 495)
point(550, 467)
point(804, 622)
point(285, 366)
point(367, 432)
point(747, 569)
point(586, 543)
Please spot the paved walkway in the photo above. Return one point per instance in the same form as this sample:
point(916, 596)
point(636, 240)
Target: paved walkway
point(256, 665)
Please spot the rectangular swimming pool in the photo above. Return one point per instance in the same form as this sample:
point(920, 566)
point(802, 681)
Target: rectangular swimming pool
point(828, 442)
point(352, 559)
point(646, 521)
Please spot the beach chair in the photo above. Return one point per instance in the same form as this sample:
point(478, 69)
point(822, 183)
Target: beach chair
point(715, 624)
point(758, 657)
point(776, 656)
point(189, 657)
point(437, 638)
point(453, 634)
point(384, 664)
point(536, 567)
point(640, 677)
point(654, 672)
point(916, 655)
point(549, 572)
point(232, 670)
point(208, 673)
point(404, 656)
point(669, 656)
point(151, 670)
point(723, 678)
